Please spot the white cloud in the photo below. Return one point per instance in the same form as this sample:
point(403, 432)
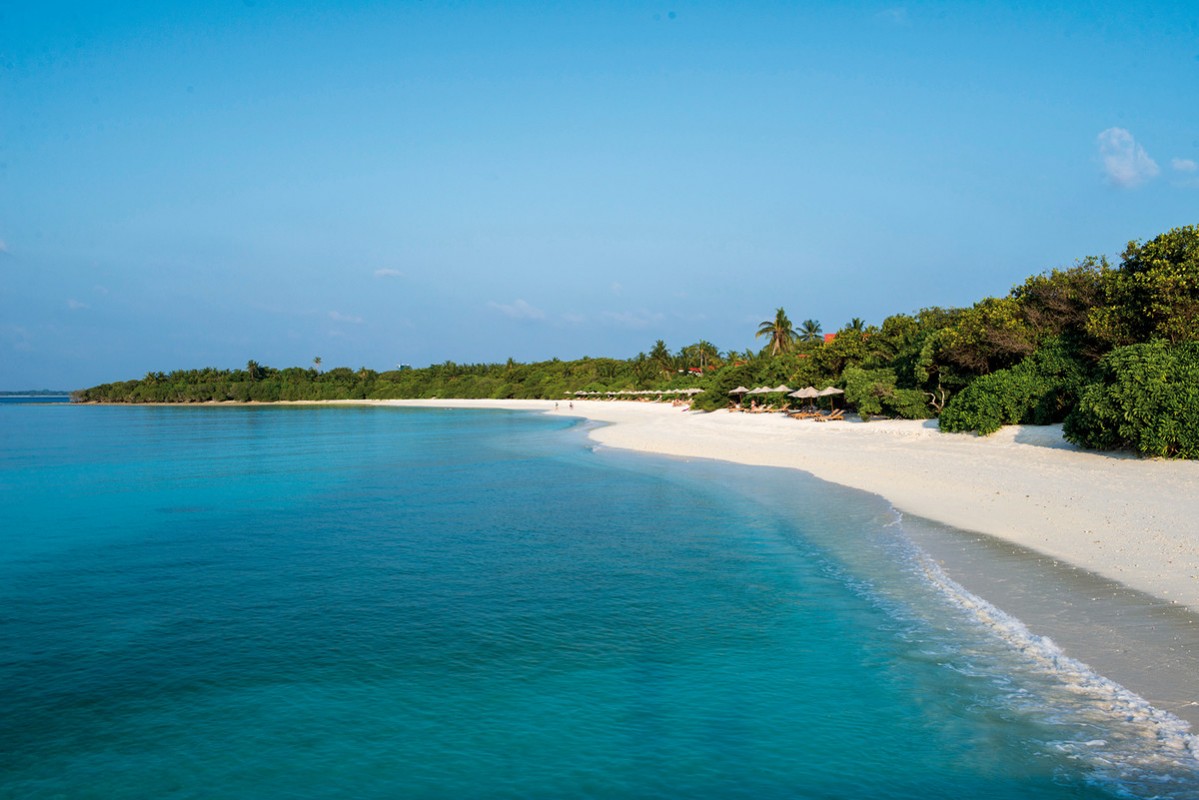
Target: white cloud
point(518, 310)
point(1125, 162)
point(895, 16)
point(388, 273)
point(337, 316)
point(1184, 165)
point(637, 320)
point(75, 305)
point(16, 337)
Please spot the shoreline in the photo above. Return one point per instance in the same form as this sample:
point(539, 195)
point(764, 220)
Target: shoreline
point(1131, 520)
point(1099, 552)
point(1134, 521)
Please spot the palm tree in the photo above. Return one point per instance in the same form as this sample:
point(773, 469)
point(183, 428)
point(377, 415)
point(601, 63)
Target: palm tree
point(316, 362)
point(782, 334)
point(857, 325)
point(660, 355)
point(703, 353)
point(809, 331)
point(708, 354)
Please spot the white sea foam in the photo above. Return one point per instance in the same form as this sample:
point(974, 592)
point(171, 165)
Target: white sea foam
point(1142, 751)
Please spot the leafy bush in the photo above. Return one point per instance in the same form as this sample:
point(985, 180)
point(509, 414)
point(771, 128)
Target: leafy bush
point(1039, 390)
point(1154, 294)
point(1146, 399)
point(872, 392)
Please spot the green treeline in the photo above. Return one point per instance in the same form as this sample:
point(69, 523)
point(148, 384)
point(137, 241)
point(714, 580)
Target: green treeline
point(1112, 351)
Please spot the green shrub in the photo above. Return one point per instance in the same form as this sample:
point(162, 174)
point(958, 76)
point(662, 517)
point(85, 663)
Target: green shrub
point(872, 392)
point(1040, 390)
point(1146, 400)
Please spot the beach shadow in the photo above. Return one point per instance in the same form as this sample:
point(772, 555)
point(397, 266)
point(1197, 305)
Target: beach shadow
point(1050, 436)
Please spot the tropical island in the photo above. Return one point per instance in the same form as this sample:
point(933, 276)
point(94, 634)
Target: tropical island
point(1111, 351)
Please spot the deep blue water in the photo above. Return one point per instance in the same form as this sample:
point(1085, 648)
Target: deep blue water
point(381, 602)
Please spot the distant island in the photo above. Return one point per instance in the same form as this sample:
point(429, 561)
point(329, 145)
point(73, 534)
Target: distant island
point(1113, 352)
point(36, 393)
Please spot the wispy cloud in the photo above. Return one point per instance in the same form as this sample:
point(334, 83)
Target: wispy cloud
point(3, 247)
point(518, 310)
point(1125, 162)
point(75, 305)
point(16, 337)
point(897, 15)
point(636, 320)
point(388, 273)
point(337, 316)
point(1184, 165)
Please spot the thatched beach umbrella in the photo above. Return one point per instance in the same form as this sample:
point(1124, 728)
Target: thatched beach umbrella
point(782, 388)
point(830, 391)
point(740, 394)
point(806, 393)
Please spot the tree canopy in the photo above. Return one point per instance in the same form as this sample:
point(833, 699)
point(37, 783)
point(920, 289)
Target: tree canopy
point(1069, 344)
point(780, 331)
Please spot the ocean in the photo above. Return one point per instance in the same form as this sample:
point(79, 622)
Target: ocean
point(379, 602)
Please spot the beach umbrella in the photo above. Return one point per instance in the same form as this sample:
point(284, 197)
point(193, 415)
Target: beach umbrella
point(830, 391)
point(739, 390)
point(760, 390)
point(782, 387)
point(806, 393)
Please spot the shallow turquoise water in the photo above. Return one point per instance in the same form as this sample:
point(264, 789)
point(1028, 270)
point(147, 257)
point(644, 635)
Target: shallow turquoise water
point(378, 602)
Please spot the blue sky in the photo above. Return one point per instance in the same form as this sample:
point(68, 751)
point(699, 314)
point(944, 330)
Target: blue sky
point(186, 185)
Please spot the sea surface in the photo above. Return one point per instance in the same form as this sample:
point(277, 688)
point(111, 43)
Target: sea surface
point(372, 602)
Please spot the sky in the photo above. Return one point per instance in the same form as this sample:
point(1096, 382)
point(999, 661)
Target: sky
point(200, 184)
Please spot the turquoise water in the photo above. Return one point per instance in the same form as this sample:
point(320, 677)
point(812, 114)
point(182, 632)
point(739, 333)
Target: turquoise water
point(381, 602)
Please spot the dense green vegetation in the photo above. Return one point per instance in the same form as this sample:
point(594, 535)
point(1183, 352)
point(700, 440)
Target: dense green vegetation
point(1112, 351)
point(1146, 399)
